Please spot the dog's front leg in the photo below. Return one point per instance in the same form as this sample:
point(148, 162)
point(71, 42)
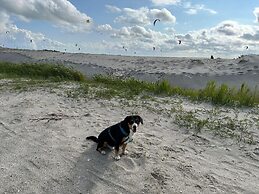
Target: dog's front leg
point(124, 151)
point(117, 156)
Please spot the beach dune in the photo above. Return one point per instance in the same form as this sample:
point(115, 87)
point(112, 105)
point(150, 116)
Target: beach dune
point(184, 72)
point(42, 132)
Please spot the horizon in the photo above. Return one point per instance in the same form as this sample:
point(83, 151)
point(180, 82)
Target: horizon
point(127, 28)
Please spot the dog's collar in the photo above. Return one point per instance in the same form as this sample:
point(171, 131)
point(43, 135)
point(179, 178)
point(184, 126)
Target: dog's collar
point(123, 131)
point(109, 132)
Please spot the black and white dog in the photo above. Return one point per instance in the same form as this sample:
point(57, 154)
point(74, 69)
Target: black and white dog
point(117, 135)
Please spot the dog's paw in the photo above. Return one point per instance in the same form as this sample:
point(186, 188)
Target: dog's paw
point(117, 157)
point(125, 152)
point(112, 148)
point(103, 152)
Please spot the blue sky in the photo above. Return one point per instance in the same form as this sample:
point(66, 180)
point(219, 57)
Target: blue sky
point(224, 28)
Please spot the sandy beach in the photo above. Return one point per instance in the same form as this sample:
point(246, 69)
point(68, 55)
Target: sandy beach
point(42, 131)
point(184, 72)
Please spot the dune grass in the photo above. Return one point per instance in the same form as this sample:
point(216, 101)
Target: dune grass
point(31, 76)
point(227, 127)
point(220, 95)
point(109, 87)
point(40, 71)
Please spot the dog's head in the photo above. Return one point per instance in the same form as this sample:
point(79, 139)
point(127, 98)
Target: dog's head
point(133, 122)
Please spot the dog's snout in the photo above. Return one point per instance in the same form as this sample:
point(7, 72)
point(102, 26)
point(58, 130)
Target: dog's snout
point(134, 127)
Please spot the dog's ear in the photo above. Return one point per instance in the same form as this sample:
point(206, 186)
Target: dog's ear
point(127, 118)
point(141, 120)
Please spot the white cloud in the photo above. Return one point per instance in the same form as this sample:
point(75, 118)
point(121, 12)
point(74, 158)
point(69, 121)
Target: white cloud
point(141, 38)
point(227, 39)
point(14, 37)
point(21, 38)
point(144, 16)
point(60, 12)
point(170, 30)
point(256, 13)
point(254, 36)
point(165, 2)
point(113, 9)
point(104, 28)
point(194, 9)
point(232, 28)
point(134, 17)
point(163, 14)
point(4, 22)
point(191, 11)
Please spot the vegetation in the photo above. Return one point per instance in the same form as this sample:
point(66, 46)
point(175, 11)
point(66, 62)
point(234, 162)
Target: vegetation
point(225, 127)
point(220, 95)
point(39, 71)
point(29, 76)
point(109, 87)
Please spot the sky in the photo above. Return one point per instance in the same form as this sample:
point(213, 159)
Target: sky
point(222, 28)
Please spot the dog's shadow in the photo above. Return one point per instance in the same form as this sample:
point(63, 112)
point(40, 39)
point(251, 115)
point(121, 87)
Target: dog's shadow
point(91, 168)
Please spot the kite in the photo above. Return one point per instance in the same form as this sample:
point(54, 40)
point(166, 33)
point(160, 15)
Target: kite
point(154, 23)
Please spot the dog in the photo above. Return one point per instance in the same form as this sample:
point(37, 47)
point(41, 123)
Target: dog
point(118, 135)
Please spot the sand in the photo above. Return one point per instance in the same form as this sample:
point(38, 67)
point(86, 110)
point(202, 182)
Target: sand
point(184, 72)
point(43, 147)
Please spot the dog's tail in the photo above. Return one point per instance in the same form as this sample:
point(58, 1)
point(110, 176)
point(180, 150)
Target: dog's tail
point(93, 138)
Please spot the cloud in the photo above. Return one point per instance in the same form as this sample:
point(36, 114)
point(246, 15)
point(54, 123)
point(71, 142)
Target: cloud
point(104, 28)
point(226, 39)
point(194, 9)
point(144, 16)
point(13, 37)
point(254, 37)
point(59, 12)
point(256, 13)
point(141, 38)
point(4, 22)
point(170, 30)
point(165, 2)
point(21, 38)
point(113, 9)
point(163, 14)
point(232, 28)
point(228, 28)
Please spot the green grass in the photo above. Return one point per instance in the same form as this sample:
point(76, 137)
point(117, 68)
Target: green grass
point(219, 95)
point(109, 87)
point(39, 71)
point(30, 76)
point(223, 95)
point(226, 127)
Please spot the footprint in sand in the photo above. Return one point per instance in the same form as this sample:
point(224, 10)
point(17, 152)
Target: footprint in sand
point(128, 164)
point(15, 121)
point(132, 161)
point(256, 151)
